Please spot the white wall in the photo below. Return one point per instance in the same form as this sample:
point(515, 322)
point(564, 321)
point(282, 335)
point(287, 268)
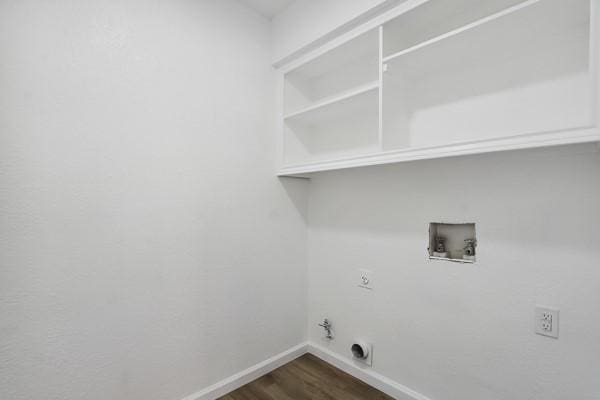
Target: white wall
point(146, 248)
point(453, 331)
point(305, 21)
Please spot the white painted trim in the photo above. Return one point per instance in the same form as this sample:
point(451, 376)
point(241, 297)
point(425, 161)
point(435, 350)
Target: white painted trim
point(380, 66)
point(546, 139)
point(464, 28)
point(366, 374)
point(595, 59)
point(279, 124)
point(366, 22)
point(343, 29)
point(228, 385)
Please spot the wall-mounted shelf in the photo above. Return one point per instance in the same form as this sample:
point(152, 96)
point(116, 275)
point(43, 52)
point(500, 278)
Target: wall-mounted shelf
point(584, 135)
point(445, 79)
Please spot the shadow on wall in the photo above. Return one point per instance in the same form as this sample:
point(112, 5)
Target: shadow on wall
point(297, 190)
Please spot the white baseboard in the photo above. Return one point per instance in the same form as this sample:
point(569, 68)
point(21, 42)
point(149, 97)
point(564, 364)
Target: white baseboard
point(366, 374)
point(248, 375)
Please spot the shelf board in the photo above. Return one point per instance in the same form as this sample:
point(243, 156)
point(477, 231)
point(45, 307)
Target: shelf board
point(334, 99)
point(462, 29)
point(535, 140)
point(458, 260)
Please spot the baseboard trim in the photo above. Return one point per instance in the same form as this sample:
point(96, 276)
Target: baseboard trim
point(227, 385)
point(365, 374)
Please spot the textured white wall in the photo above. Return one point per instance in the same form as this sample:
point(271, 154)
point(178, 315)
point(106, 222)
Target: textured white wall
point(146, 248)
point(453, 331)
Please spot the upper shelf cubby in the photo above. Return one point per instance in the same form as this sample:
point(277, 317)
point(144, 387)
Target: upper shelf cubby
point(349, 68)
point(522, 70)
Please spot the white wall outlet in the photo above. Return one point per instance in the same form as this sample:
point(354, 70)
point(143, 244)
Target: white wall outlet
point(365, 279)
point(546, 321)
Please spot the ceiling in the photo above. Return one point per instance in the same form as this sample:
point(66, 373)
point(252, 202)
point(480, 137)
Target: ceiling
point(268, 8)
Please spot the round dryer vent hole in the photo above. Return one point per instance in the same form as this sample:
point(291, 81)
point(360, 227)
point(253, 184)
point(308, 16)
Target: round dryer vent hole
point(362, 352)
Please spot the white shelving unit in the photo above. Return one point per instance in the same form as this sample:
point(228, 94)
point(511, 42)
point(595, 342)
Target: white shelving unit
point(433, 79)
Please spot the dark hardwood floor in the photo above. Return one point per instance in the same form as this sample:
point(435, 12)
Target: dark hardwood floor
point(307, 378)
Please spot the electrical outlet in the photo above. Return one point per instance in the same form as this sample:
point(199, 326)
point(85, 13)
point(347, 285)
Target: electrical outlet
point(365, 279)
point(546, 322)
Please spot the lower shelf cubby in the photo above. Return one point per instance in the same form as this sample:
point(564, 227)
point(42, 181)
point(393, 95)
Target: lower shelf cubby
point(349, 127)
